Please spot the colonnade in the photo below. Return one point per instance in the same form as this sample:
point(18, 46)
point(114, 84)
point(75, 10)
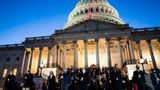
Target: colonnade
point(150, 47)
point(126, 52)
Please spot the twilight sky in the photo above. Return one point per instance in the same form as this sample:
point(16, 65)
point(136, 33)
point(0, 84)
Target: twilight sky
point(29, 18)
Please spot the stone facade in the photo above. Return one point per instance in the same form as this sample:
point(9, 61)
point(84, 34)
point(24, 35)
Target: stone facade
point(92, 41)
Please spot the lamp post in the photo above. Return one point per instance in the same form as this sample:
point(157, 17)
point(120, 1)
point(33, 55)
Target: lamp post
point(142, 62)
point(41, 67)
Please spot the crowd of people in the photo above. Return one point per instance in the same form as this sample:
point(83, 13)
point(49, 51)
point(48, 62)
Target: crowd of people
point(93, 78)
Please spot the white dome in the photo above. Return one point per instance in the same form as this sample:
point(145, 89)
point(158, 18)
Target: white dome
point(93, 9)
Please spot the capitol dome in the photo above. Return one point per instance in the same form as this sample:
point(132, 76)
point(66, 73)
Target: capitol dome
point(93, 9)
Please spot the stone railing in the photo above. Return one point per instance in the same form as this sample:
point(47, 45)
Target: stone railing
point(146, 29)
point(38, 38)
point(136, 61)
point(11, 45)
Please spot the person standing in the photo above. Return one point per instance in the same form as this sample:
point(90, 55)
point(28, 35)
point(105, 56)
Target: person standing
point(10, 82)
point(138, 79)
point(155, 79)
point(125, 82)
point(116, 78)
point(51, 81)
point(85, 79)
point(28, 81)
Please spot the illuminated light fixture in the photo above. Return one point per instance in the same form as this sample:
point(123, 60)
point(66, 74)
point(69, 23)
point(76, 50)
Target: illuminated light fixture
point(142, 60)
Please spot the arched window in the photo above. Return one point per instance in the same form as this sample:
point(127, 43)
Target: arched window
point(81, 12)
point(91, 9)
point(86, 11)
point(97, 9)
point(102, 10)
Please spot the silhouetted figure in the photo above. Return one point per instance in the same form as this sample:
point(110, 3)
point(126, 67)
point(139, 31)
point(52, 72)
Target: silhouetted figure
point(28, 81)
point(108, 83)
point(116, 78)
point(51, 83)
point(73, 85)
point(65, 79)
point(149, 85)
point(92, 85)
point(10, 82)
point(44, 87)
point(155, 79)
point(138, 79)
point(125, 82)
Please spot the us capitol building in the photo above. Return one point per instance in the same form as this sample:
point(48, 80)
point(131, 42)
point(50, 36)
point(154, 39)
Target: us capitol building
point(93, 35)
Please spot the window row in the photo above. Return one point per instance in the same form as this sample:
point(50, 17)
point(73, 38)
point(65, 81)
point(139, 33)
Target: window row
point(9, 58)
point(6, 72)
point(90, 1)
point(93, 10)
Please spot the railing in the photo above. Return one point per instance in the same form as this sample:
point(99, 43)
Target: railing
point(11, 45)
point(146, 29)
point(136, 61)
point(38, 38)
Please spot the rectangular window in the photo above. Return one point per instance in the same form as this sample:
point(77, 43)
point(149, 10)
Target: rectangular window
point(5, 72)
point(15, 71)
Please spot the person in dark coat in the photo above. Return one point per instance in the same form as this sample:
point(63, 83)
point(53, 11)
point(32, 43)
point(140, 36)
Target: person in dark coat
point(85, 80)
point(125, 82)
point(28, 81)
point(74, 84)
point(155, 79)
point(51, 81)
point(108, 83)
point(65, 80)
point(92, 85)
point(138, 79)
point(10, 82)
point(44, 86)
point(116, 78)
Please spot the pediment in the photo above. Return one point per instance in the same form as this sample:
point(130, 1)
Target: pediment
point(92, 25)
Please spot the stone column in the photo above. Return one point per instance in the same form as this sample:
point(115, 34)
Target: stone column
point(139, 49)
point(54, 56)
point(120, 51)
point(48, 59)
point(131, 51)
point(64, 56)
point(23, 62)
point(124, 53)
point(108, 53)
point(159, 45)
point(39, 59)
point(30, 60)
point(75, 55)
point(128, 54)
point(97, 52)
point(151, 53)
point(57, 54)
point(86, 53)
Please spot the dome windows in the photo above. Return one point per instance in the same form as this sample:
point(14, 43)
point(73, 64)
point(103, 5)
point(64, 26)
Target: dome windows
point(100, 9)
point(97, 9)
point(86, 11)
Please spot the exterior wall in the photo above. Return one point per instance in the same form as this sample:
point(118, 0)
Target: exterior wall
point(10, 59)
point(118, 36)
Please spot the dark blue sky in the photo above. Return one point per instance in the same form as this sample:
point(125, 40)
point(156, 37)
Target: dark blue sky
point(28, 18)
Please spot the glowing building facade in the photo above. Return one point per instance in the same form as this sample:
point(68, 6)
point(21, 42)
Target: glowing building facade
point(94, 34)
